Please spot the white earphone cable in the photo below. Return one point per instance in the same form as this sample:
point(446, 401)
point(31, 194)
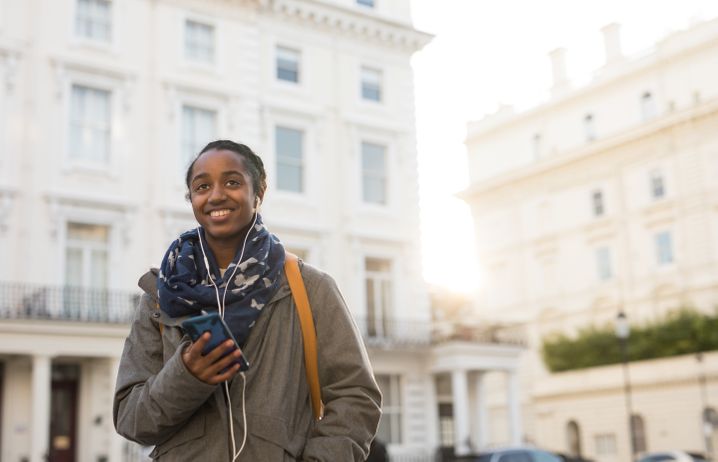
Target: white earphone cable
point(220, 307)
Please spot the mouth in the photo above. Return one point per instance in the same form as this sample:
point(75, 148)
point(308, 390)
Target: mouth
point(219, 213)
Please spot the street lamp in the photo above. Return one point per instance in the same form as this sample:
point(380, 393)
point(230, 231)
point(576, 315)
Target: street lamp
point(623, 331)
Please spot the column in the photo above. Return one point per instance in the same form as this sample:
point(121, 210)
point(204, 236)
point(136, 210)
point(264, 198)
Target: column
point(40, 423)
point(460, 392)
point(514, 407)
point(116, 441)
point(482, 412)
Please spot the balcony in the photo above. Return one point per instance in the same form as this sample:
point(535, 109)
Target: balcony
point(37, 302)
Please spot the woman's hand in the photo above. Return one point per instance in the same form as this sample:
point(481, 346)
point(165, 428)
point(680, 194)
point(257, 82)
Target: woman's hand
point(209, 368)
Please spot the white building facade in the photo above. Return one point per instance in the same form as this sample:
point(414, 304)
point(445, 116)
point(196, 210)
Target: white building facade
point(604, 200)
point(102, 105)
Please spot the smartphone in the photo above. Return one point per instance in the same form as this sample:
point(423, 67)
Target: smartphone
point(215, 325)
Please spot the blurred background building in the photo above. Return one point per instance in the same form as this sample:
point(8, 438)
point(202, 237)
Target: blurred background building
point(102, 105)
point(604, 201)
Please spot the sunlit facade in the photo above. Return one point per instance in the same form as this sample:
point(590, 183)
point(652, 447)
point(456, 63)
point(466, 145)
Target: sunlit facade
point(102, 105)
point(601, 200)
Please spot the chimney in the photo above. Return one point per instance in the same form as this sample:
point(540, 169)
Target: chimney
point(558, 69)
point(612, 42)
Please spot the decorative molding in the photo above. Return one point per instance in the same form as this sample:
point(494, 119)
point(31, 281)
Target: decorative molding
point(110, 210)
point(354, 23)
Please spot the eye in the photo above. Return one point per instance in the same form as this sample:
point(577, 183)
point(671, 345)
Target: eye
point(201, 187)
point(233, 182)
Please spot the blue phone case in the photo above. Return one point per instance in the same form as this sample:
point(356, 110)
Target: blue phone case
point(215, 325)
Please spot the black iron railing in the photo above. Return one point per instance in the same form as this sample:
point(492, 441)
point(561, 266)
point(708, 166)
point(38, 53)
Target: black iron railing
point(28, 301)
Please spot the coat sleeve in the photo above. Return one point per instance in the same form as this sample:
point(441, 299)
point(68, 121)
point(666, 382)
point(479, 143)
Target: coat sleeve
point(352, 400)
point(153, 400)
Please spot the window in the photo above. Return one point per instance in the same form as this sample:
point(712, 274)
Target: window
point(657, 184)
point(199, 42)
point(638, 430)
point(605, 444)
point(90, 124)
point(371, 84)
point(93, 19)
point(289, 145)
point(199, 127)
point(390, 423)
point(536, 146)
point(446, 425)
point(378, 296)
point(573, 438)
point(288, 64)
point(86, 268)
point(374, 178)
point(589, 128)
point(648, 106)
point(597, 203)
point(664, 248)
point(368, 3)
point(603, 264)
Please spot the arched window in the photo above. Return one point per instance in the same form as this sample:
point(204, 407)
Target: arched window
point(639, 433)
point(573, 439)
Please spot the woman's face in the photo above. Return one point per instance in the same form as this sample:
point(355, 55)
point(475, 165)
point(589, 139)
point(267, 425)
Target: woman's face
point(223, 200)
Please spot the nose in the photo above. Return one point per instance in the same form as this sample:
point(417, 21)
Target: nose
point(217, 194)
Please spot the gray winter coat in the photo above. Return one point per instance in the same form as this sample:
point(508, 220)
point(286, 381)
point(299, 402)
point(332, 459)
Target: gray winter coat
point(158, 402)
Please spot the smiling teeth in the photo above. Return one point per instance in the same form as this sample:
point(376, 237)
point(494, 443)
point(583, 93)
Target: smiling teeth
point(218, 213)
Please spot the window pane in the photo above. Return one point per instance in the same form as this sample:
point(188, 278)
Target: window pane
point(369, 3)
point(90, 125)
point(371, 84)
point(597, 200)
point(664, 248)
point(657, 184)
point(199, 42)
point(73, 267)
point(93, 19)
point(390, 423)
point(373, 173)
point(287, 64)
point(199, 127)
point(290, 169)
point(603, 263)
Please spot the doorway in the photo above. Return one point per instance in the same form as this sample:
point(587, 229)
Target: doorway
point(63, 412)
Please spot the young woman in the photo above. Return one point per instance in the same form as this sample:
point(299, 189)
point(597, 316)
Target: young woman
point(202, 407)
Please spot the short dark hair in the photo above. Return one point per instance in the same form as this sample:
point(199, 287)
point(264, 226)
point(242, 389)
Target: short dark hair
point(252, 162)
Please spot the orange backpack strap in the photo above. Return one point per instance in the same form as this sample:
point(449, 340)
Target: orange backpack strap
point(309, 334)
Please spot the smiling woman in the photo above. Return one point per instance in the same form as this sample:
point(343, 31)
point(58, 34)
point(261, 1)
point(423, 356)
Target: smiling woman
point(171, 394)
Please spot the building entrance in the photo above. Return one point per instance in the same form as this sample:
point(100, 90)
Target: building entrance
point(63, 412)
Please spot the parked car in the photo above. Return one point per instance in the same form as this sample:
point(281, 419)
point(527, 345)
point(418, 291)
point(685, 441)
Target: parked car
point(510, 455)
point(673, 456)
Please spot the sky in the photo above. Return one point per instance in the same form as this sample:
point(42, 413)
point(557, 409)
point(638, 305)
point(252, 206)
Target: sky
point(488, 53)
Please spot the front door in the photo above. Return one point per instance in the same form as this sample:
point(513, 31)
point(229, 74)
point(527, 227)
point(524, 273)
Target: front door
point(63, 412)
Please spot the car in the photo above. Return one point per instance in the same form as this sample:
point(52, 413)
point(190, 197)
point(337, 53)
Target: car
point(517, 454)
point(673, 456)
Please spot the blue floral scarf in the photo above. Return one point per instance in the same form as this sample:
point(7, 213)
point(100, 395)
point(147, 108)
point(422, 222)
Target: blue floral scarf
point(184, 287)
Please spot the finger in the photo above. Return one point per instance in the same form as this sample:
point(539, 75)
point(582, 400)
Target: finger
point(200, 343)
point(224, 363)
point(227, 375)
point(220, 350)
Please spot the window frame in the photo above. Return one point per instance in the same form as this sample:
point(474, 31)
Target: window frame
point(302, 164)
point(93, 40)
point(188, 103)
point(393, 412)
point(382, 176)
point(657, 184)
point(589, 127)
point(598, 203)
point(278, 50)
point(604, 263)
point(665, 255)
point(364, 84)
point(195, 60)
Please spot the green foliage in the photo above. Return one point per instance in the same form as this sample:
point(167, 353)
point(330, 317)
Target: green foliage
point(682, 332)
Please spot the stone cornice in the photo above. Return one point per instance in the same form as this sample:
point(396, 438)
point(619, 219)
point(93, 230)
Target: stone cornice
point(353, 23)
